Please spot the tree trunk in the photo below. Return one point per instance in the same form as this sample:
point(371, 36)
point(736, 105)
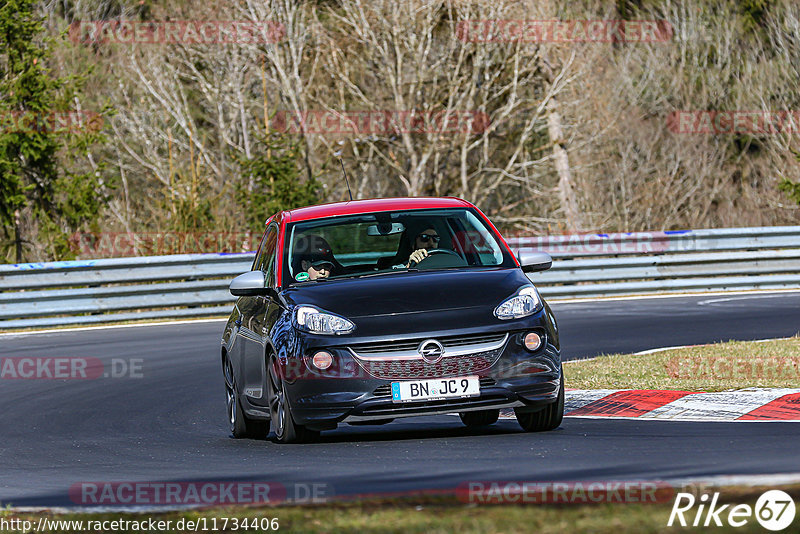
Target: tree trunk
point(566, 188)
point(17, 239)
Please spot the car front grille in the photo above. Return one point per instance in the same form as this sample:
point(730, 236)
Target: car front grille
point(463, 356)
point(393, 348)
point(465, 365)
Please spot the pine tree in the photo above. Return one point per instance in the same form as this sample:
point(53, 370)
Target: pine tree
point(276, 182)
point(41, 198)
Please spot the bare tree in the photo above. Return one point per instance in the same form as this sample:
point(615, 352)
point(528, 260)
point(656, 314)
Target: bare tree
point(576, 136)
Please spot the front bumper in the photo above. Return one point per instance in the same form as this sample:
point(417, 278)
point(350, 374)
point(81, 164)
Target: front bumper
point(491, 397)
point(515, 378)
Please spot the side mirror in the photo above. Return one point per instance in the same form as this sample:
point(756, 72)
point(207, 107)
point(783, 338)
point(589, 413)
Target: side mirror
point(249, 284)
point(532, 262)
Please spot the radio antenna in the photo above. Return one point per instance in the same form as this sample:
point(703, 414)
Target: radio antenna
point(344, 172)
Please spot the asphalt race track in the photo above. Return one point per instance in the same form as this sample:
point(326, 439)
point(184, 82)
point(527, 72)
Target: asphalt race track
point(169, 423)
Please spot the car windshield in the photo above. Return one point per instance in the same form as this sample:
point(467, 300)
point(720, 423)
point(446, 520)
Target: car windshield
point(388, 242)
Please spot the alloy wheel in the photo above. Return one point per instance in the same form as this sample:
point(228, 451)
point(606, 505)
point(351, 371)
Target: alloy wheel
point(277, 401)
point(230, 393)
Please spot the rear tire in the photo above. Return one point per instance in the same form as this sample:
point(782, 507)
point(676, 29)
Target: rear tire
point(548, 418)
point(286, 430)
point(481, 418)
point(241, 426)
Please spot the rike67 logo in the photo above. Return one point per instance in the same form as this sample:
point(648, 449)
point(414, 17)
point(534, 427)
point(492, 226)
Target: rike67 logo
point(774, 510)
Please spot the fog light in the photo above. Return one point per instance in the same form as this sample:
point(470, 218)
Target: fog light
point(322, 360)
point(532, 341)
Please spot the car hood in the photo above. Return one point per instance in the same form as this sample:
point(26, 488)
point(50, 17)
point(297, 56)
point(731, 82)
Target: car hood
point(413, 299)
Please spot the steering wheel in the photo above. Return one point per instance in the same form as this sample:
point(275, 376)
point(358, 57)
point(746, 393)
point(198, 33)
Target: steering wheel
point(431, 253)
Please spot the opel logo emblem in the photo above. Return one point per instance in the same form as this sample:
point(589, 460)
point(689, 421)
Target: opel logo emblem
point(431, 351)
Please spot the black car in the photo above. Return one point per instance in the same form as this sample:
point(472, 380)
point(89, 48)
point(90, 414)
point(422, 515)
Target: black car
point(366, 311)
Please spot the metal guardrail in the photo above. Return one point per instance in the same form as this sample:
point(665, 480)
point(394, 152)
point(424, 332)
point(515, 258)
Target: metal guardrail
point(655, 262)
point(196, 285)
point(118, 289)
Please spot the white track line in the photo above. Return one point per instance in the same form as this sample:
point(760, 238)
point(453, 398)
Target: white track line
point(110, 326)
point(730, 299)
point(678, 347)
point(556, 300)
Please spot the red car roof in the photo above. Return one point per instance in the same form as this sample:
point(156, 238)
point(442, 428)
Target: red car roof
point(354, 207)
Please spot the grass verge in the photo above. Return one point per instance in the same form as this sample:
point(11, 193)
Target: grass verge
point(717, 367)
point(441, 515)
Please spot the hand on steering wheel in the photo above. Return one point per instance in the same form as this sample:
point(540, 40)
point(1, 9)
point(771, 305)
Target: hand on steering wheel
point(416, 257)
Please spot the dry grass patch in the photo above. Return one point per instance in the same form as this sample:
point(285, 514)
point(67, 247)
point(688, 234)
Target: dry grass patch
point(717, 367)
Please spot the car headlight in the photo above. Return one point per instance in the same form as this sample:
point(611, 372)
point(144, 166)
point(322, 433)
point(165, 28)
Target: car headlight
point(526, 302)
point(315, 321)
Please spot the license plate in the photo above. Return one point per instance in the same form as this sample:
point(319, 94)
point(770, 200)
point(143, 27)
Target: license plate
point(438, 388)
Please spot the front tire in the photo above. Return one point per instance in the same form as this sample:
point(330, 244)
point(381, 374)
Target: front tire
point(241, 426)
point(548, 418)
point(286, 430)
point(481, 418)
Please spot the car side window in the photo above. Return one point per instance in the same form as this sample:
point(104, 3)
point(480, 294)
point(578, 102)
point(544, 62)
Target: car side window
point(266, 257)
point(259, 252)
